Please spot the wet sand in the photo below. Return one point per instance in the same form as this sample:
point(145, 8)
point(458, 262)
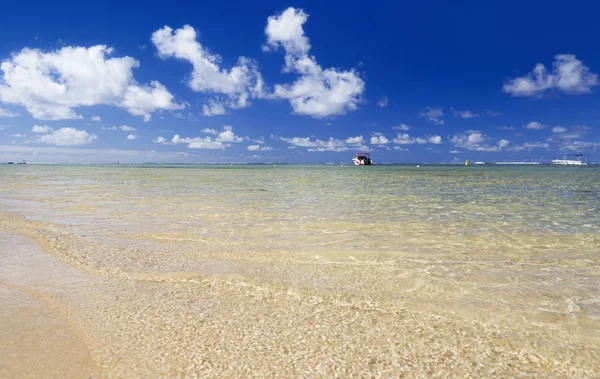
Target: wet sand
point(38, 340)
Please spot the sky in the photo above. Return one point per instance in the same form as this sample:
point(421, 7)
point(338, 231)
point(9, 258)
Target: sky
point(298, 82)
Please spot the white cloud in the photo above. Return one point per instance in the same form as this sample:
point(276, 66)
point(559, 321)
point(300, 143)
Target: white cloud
point(477, 141)
point(559, 129)
point(398, 148)
point(213, 108)
point(318, 92)
point(258, 147)
point(506, 127)
point(433, 114)
point(358, 140)
point(131, 137)
point(435, 139)
point(240, 83)
point(379, 140)
point(494, 113)
point(454, 152)
point(222, 141)
point(331, 144)
point(18, 135)
point(568, 75)
point(535, 126)
point(199, 143)
point(464, 114)
point(123, 128)
point(383, 102)
point(209, 131)
point(41, 129)
point(401, 127)
point(96, 118)
point(68, 137)
point(7, 113)
point(227, 135)
point(50, 85)
point(405, 139)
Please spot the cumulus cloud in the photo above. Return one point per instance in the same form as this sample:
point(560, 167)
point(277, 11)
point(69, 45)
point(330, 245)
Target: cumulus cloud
point(41, 129)
point(318, 92)
point(238, 84)
point(131, 137)
point(123, 128)
point(331, 144)
point(6, 113)
point(435, 139)
point(476, 141)
point(383, 102)
point(463, 114)
point(209, 131)
point(96, 118)
point(51, 85)
point(68, 137)
point(213, 108)
point(535, 126)
point(401, 127)
point(358, 140)
point(433, 114)
point(379, 140)
point(406, 139)
point(222, 141)
point(258, 147)
point(559, 129)
point(568, 75)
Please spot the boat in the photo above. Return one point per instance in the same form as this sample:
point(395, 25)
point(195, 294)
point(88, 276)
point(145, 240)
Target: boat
point(577, 161)
point(362, 159)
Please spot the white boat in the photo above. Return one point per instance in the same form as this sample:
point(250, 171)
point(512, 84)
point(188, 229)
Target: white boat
point(568, 162)
point(578, 161)
point(362, 159)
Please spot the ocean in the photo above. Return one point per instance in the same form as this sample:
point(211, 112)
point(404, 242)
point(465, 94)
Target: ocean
point(291, 270)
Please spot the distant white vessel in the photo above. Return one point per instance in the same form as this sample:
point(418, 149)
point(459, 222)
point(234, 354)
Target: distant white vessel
point(578, 161)
point(568, 162)
point(362, 159)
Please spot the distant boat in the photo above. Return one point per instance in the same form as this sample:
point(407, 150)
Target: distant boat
point(568, 162)
point(362, 159)
point(578, 161)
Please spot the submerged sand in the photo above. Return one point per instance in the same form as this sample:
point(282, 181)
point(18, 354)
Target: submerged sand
point(298, 272)
point(58, 321)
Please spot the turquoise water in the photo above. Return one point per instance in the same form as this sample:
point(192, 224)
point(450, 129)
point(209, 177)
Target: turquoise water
point(512, 249)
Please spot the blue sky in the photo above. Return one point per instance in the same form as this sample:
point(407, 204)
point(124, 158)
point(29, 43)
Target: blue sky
point(298, 81)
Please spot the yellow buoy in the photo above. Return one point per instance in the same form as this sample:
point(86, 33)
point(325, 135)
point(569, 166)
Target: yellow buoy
point(467, 162)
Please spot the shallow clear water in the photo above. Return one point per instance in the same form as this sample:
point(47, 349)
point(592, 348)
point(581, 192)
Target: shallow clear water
point(506, 257)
